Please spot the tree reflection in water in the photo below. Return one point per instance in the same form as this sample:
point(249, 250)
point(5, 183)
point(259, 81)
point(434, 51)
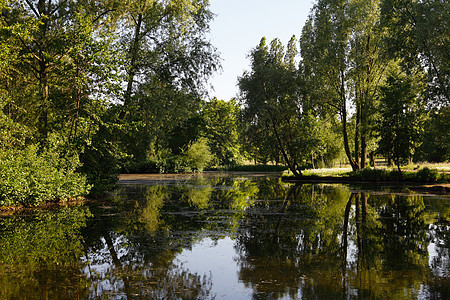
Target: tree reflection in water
point(138, 239)
point(290, 241)
point(39, 254)
point(314, 242)
point(138, 246)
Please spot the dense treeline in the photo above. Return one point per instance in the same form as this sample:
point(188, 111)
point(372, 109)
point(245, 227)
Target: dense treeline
point(372, 79)
point(93, 88)
point(89, 87)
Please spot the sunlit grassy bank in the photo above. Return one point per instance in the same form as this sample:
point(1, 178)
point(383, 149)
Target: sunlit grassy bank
point(420, 172)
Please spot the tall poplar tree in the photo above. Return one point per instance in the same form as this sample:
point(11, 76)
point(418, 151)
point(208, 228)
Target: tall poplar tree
point(340, 47)
point(168, 59)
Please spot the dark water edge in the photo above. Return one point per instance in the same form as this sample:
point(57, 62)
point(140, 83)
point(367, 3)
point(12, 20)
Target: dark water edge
point(231, 236)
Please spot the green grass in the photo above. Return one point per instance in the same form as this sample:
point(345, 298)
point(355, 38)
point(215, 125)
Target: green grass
point(440, 167)
point(420, 173)
point(424, 175)
point(327, 172)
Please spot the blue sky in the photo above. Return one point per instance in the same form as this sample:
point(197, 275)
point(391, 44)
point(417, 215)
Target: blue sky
point(238, 27)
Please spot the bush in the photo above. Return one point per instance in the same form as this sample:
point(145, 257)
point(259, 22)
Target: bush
point(375, 175)
point(30, 177)
point(422, 176)
point(174, 164)
point(427, 175)
point(198, 155)
point(371, 175)
point(141, 167)
point(100, 159)
point(194, 159)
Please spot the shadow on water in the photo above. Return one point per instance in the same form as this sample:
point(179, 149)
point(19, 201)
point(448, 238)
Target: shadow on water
point(267, 238)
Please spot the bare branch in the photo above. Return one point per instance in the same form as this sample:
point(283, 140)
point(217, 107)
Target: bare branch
point(33, 8)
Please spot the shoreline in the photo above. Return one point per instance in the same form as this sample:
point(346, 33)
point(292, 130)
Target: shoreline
point(438, 188)
point(124, 179)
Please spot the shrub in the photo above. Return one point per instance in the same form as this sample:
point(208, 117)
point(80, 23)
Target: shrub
point(371, 175)
point(147, 166)
point(30, 177)
point(100, 160)
point(427, 175)
point(175, 164)
point(423, 175)
point(194, 159)
point(198, 155)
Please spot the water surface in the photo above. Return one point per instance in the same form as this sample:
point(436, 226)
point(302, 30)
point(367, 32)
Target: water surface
point(231, 236)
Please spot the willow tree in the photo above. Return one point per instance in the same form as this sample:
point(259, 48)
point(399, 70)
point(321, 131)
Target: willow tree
point(270, 95)
point(168, 59)
point(340, 47)
point(165, 40)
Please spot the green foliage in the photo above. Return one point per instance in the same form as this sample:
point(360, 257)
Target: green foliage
point(198, 155)
point(195, 158)
point(101, 154)
point(185, 133)
point(418, 34)
point(436, 142)
point(272, 104)
point(376, 175)
point(166, 42)
point(427, 175)
point(31, 177)
point(343, 64)
point(403, 115)
point(424, 175)
point(13, 135)
point(221, 129)
point(40, 253)
point(63, 65)
point(48, 239)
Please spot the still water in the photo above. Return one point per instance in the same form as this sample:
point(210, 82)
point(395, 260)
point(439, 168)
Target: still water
point(231, 236)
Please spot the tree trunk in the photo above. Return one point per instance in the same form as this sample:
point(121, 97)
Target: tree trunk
point(357, 133)
point(346, 145)
point(372, 159)
point(343, 113)
point(345, 231)
point(363, 152)
point(133, 60)
point(116, 261)
point(363, 243)
point(292, 165)
point(358, 224)
point(43, 70)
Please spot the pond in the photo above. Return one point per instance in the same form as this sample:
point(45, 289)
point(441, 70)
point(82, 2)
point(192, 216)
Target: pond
point(231, 236)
